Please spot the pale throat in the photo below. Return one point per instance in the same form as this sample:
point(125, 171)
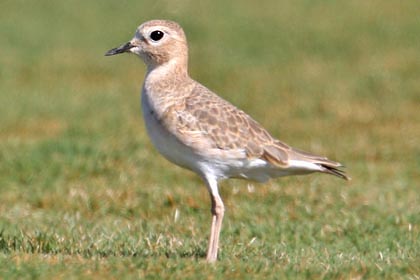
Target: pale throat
point(166, 84)
point(174, 69)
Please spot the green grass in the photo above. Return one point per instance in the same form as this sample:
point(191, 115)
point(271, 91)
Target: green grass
point(83, 194)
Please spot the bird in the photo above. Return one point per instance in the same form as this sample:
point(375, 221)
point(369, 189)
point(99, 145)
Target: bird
point(193, 127)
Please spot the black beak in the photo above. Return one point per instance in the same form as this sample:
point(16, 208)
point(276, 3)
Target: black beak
point(121, 49)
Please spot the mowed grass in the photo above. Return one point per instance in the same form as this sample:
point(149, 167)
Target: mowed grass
point(83, 194)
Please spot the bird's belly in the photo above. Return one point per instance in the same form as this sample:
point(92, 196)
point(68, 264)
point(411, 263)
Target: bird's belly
point(166, 143)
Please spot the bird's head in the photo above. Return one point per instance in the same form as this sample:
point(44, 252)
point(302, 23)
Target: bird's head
point(157, 42)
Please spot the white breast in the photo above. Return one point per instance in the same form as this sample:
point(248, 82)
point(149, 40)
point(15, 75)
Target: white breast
point(166, 143)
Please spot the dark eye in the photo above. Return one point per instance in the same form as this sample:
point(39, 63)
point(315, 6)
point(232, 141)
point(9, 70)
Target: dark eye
point(156, 35)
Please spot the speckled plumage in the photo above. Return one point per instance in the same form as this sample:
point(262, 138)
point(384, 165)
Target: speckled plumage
point(196, 129)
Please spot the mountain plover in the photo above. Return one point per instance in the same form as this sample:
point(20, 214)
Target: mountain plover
point(194, 128)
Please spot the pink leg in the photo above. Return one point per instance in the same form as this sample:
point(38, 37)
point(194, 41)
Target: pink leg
point(217, 210)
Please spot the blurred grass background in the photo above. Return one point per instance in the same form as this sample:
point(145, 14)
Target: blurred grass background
point(83, 194)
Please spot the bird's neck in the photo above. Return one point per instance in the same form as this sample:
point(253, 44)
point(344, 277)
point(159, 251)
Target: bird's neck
point(174, 67)
point(167, 76)
point(167, 84)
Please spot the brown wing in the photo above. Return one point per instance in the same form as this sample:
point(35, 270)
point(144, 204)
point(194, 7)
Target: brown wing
point(220, 124)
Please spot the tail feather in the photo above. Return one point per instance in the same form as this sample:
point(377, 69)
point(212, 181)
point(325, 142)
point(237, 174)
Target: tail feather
point(327, 166)
point(301, 162)
point(334, 171)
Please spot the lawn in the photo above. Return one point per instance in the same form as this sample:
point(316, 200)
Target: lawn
point(83, 194)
